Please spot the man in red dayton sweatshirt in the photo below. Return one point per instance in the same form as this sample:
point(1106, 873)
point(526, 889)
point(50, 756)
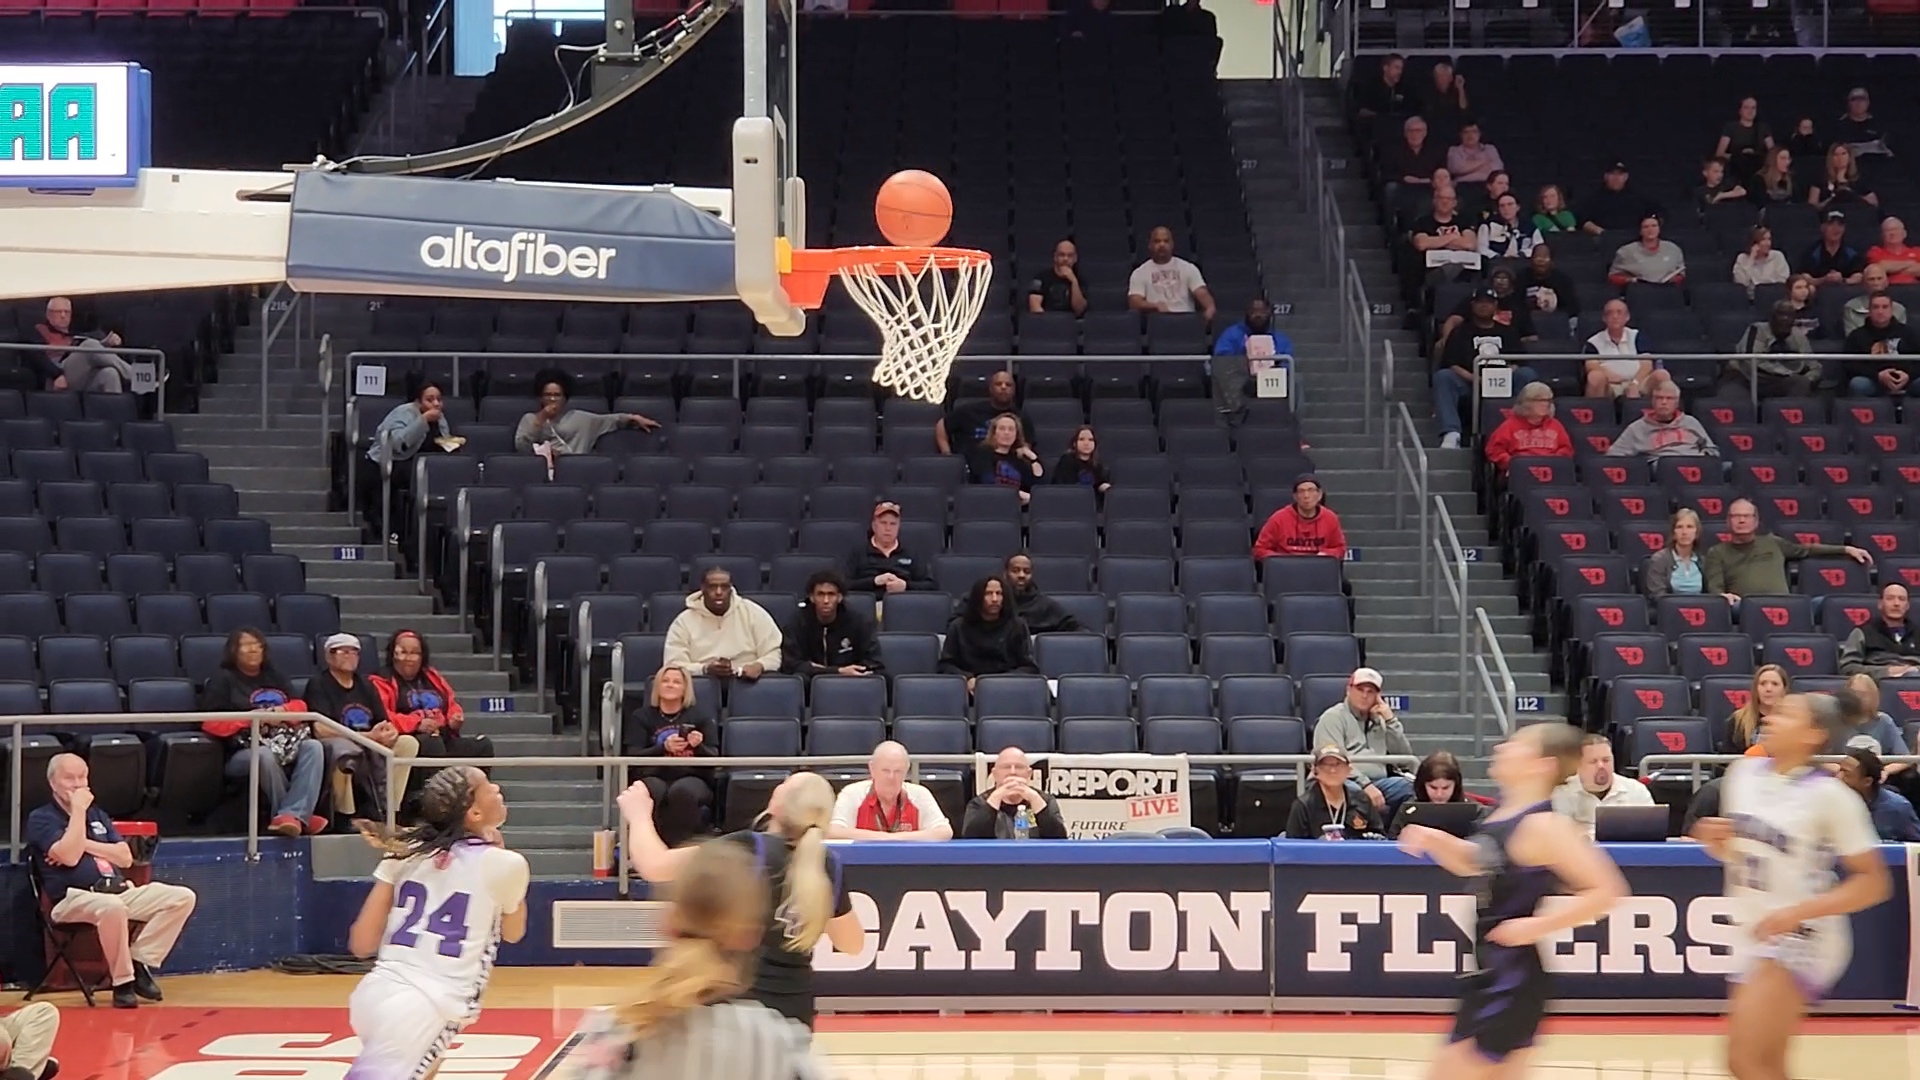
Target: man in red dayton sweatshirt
point(1305, 528)
point(1531, 431)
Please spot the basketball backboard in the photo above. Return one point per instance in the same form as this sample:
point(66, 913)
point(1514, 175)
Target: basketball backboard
point(770, 202)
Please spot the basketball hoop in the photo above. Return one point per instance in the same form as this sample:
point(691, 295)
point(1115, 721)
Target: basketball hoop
point(925, 301)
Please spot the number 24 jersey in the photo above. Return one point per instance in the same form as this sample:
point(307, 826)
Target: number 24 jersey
point(444, 930)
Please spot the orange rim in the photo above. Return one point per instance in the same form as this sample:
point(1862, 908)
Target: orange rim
point(811, 270)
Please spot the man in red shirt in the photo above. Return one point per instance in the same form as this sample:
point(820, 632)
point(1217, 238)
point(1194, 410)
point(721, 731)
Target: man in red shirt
point(1902, 263)
point(1530, 431)
point(1305, 528)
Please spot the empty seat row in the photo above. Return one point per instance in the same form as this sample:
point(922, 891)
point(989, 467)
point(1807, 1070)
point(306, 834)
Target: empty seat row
point(106, 614)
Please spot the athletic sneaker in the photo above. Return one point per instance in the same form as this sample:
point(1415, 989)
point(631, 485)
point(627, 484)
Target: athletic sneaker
point(1450, 441)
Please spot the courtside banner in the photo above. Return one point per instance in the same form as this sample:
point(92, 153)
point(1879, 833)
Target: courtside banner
point(1101, 794)
point(1360, 920)
point(1068, 921)
point(497, 239)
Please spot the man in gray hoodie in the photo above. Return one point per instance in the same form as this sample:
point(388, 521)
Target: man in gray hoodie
point(1664, 431)
point(1362, 724)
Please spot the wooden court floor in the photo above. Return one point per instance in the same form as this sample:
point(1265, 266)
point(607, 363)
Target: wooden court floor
point(268, 1026)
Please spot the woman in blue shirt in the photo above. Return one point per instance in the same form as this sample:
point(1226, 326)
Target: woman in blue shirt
point(1676, 568)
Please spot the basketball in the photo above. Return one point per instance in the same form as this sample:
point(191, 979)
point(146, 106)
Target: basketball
point(913, 209)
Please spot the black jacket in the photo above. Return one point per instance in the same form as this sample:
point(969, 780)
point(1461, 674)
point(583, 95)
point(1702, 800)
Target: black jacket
point(810, 647)
point(1311, 813)
point(995, 648)
point(866, 563)
point(644, 731)
point(1071, 470)
point(1043, 614)
point(983, 822)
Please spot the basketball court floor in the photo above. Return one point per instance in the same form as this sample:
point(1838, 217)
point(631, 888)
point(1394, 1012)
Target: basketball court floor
point(268, 1026)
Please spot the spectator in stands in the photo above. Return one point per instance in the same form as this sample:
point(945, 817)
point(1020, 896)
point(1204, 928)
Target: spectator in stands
point(1438, 779)
point(1470, 160)
point(421, 703)
point(1902, 262)
point(1507, 234)
point(1664, 431)
point(1831, 259)
point(1770, 683)
point(82, 862)
point(555, 428)
point(1548, 288)
point(1748, 562)
point(27, 1035)
point(1805, 142)
point(1649, 260)
point(406, 431)
point(1252, 338)
point(965, 423)
point(1081, 463)
point(1802, 291)
point(990, 814)
point(1858, 130)
point(1887, 646)
point(1479, 202)
point(341, 694)
point(1004, 459)
point(1867, 727)
point(87, 366)
point(1716, 186)
point(1166, 282)
point(1621, 366)
point(1677, 568)
point(1781, 351)
point(1473, 345)
point(882, 566)
point(828, 638)
point(1303, 528)
point(1362, 724)
point(1384, 96)
point(1842, 184)
point(1551, 214)
point(722, 634)
point(1531, 430)
point(1615, 205)
point(1512, 309)
point(1891, 349)
point(1331, 808)
point(1893, 816)
point(988, 636)
point(1059, 289)
point(1760, 264)
point(1596, 785)
point(1444, 244)
point(1042, 613)
point(886, 805)
point(1744, 140)
point(292, 761)
point(1775, 184)
point(1410, 161)
point(1853, 314)
point(673, 723)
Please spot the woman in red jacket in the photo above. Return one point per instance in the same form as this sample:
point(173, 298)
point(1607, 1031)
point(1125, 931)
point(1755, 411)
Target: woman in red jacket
point(420, 703)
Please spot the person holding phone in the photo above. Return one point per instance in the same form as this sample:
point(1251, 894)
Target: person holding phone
point(673, 724)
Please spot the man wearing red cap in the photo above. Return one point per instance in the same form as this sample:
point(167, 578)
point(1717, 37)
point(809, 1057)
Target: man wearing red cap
point(882, 566)
point(1305, 528)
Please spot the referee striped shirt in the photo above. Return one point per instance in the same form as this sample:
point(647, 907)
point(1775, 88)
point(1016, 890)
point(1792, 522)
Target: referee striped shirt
point(732, 1040)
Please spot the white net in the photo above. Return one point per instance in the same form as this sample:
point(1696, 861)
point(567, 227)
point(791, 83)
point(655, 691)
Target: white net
point(925, 310)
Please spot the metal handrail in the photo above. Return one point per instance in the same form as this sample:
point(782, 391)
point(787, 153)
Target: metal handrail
point(1359, 313)
point(159, 355)
point(1453, 561)
point(1697, 776)
point(1750, 360)
point(1401, 439)
point(270, 327)
point(1501, 699)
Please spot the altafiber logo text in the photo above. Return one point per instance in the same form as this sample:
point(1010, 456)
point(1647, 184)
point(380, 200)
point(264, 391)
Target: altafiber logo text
point(524, 254)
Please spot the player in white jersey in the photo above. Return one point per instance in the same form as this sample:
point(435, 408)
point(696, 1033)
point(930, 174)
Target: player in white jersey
point(443, 899)
point(1788, 825)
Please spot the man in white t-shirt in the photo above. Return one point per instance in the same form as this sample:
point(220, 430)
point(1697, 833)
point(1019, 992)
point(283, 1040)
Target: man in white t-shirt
point(887, 806)
point(1167, 283)
point(1597, 785)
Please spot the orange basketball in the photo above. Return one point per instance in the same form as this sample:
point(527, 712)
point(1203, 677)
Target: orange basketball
point(913, 209)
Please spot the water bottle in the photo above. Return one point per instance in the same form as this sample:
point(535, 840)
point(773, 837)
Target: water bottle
point(1022, 823)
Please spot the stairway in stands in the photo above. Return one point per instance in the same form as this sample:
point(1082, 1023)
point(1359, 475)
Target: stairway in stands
point(1396, 626)
point(281, 478)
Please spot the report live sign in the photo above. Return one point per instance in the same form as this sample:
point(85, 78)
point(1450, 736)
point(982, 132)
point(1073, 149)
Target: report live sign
point(74, 126)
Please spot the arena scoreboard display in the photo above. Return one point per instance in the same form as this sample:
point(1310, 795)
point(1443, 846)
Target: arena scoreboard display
point(74, 126)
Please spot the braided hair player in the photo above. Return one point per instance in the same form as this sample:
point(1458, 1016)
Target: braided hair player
point(1523, 853)
point(444, 897)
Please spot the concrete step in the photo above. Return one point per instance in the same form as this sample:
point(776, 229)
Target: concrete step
point(329, 554)
point(263, 503)
point(480, 683)
point(1376, 601)
point(533, 816)
point(581, 786)
point(271, 476)
point(435, 626)
point(490, 724)
point(1509, 627)
point(1436, 652)
point(385, 604)
point(326, 537)
point(568, 863)
point(561, 836)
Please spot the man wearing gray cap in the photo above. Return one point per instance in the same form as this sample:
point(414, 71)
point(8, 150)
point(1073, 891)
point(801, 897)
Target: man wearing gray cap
point(1363, 725)
point(349, 699)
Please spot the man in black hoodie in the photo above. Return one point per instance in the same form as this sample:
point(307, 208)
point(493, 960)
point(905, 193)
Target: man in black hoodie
point(881, 566)
point(1041, 613)
point(987, 638)
point(826, 638)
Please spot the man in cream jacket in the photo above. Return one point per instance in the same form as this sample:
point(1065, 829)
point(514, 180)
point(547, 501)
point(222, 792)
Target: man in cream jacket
point(1597, 785)
point(723, 634)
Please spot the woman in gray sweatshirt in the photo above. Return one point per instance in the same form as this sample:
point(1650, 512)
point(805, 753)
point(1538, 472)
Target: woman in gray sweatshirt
point(570, 431)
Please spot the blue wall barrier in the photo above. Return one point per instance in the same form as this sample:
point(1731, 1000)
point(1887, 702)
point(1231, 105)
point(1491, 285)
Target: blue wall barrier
point(1252, 924)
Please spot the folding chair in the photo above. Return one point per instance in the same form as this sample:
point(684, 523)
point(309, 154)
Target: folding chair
point(72, 947)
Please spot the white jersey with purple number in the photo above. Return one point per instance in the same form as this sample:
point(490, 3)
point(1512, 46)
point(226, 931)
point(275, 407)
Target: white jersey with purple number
point(1790, 831)
point(444, 929)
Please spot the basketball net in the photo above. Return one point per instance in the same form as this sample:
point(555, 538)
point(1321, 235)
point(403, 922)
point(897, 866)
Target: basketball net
point(925, 303)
